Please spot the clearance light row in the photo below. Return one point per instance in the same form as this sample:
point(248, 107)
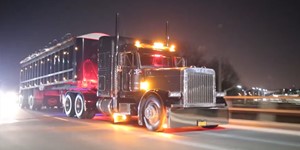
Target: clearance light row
point(156, 46)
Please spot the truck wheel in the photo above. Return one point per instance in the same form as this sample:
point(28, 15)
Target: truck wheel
point(69, 106)
point(33, 104)
point(80, 107)
point(153, 113)
point(22, 102)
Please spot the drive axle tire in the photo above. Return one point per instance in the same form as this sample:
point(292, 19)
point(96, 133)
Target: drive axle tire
point(80, 107)
point(23, 103)
point(154, 113)
point(33, 104)
point(69, 106)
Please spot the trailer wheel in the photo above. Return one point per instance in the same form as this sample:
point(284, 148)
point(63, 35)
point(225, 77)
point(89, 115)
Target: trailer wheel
point(33, 104)
point(80, 110)
point(154, 113)
point(22, 102)
point(69, 106)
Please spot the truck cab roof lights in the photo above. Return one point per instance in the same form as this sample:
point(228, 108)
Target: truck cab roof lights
point(156, 46)
point(172, 48)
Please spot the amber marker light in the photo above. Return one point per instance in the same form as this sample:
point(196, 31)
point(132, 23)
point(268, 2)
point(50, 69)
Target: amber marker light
point(172, 48)
point(138, 44)
point(165, 126)
point(158, 45)
point(144, 86)
point(119, 117)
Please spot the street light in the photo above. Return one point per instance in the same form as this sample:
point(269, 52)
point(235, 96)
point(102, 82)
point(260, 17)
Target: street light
point(234, 86)
point(239, 86)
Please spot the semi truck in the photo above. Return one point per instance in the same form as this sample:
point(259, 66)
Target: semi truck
point(121, 77)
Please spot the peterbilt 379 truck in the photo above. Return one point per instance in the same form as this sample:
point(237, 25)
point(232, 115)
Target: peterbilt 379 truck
point(121, 77)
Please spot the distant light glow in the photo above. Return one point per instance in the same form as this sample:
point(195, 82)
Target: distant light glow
point(8, 106)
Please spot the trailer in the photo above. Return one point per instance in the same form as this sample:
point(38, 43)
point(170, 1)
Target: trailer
point(65, 70)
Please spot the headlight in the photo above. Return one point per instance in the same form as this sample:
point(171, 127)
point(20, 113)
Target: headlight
point(174, 94)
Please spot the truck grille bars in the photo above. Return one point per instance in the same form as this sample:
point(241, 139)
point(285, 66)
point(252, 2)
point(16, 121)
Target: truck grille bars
point(199, 87)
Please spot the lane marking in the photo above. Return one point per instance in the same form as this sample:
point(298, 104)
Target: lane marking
point(253, 139)
point(261, 129)
point(60, 119)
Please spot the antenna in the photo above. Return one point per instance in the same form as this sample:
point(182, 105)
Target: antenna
point(167, 34)
point(117, 33)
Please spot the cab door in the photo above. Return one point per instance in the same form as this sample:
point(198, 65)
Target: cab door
point(128, 66)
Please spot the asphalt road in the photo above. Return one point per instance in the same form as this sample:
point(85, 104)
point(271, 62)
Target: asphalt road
point(51, 130)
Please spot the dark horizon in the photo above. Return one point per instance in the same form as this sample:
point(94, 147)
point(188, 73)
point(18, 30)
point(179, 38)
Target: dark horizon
point(260, 38)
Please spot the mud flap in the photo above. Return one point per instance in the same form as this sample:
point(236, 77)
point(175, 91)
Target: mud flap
point(186, 117)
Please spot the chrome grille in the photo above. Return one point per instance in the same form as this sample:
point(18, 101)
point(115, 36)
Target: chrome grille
point(199, 87)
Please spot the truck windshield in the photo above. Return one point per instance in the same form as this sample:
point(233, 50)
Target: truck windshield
point(155, 60)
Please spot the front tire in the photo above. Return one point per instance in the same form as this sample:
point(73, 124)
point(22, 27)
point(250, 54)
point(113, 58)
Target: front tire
point(154, 113)
point(69, 106)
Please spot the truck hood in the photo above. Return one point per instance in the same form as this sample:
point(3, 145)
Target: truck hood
point(167, 79)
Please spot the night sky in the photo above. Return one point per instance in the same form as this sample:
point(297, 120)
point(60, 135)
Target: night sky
point(260, 38)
